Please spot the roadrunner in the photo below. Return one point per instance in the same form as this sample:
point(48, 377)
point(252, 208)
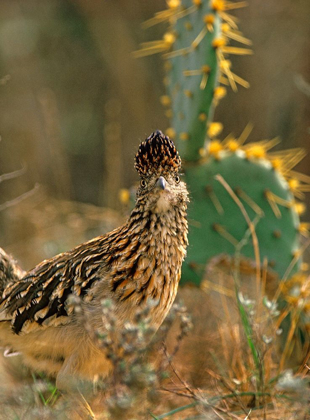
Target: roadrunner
point(135, 263)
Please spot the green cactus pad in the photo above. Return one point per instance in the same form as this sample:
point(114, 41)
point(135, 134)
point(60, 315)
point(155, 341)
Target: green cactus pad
point(192, 77)
point(217, 224)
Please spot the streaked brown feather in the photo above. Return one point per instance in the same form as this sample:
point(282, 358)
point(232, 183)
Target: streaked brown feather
point(138, 261)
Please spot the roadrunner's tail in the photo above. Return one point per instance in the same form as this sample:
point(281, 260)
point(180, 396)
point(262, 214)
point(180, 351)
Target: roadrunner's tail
point(9, 270)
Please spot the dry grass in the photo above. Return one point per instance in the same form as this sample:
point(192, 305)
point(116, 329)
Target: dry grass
point(228, 366)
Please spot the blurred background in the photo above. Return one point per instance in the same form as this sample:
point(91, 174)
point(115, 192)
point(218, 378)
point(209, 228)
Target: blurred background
point(75, 103)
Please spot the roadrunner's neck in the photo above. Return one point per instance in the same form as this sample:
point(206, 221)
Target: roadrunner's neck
point(147, 260)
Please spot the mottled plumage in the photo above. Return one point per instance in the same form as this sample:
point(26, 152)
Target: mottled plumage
point(140, 260)
point(9, 270)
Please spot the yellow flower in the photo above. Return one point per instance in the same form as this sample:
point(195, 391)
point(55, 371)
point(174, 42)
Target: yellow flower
point(215, 147)
point(124, 195)
point(232, 145)
point(214, 129)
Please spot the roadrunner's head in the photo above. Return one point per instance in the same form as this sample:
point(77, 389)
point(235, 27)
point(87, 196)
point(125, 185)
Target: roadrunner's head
point(158, 164)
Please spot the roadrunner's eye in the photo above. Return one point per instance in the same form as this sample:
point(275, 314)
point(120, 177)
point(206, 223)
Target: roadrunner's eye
point(177, 179)
point(143, 183)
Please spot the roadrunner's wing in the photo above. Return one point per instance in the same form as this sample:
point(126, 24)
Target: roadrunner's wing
point(41, 297)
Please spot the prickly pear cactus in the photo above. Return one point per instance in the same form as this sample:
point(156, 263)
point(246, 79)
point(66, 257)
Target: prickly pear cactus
point(196, 49)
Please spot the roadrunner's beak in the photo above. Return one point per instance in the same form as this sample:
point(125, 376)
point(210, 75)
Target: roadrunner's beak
point(161, 183)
